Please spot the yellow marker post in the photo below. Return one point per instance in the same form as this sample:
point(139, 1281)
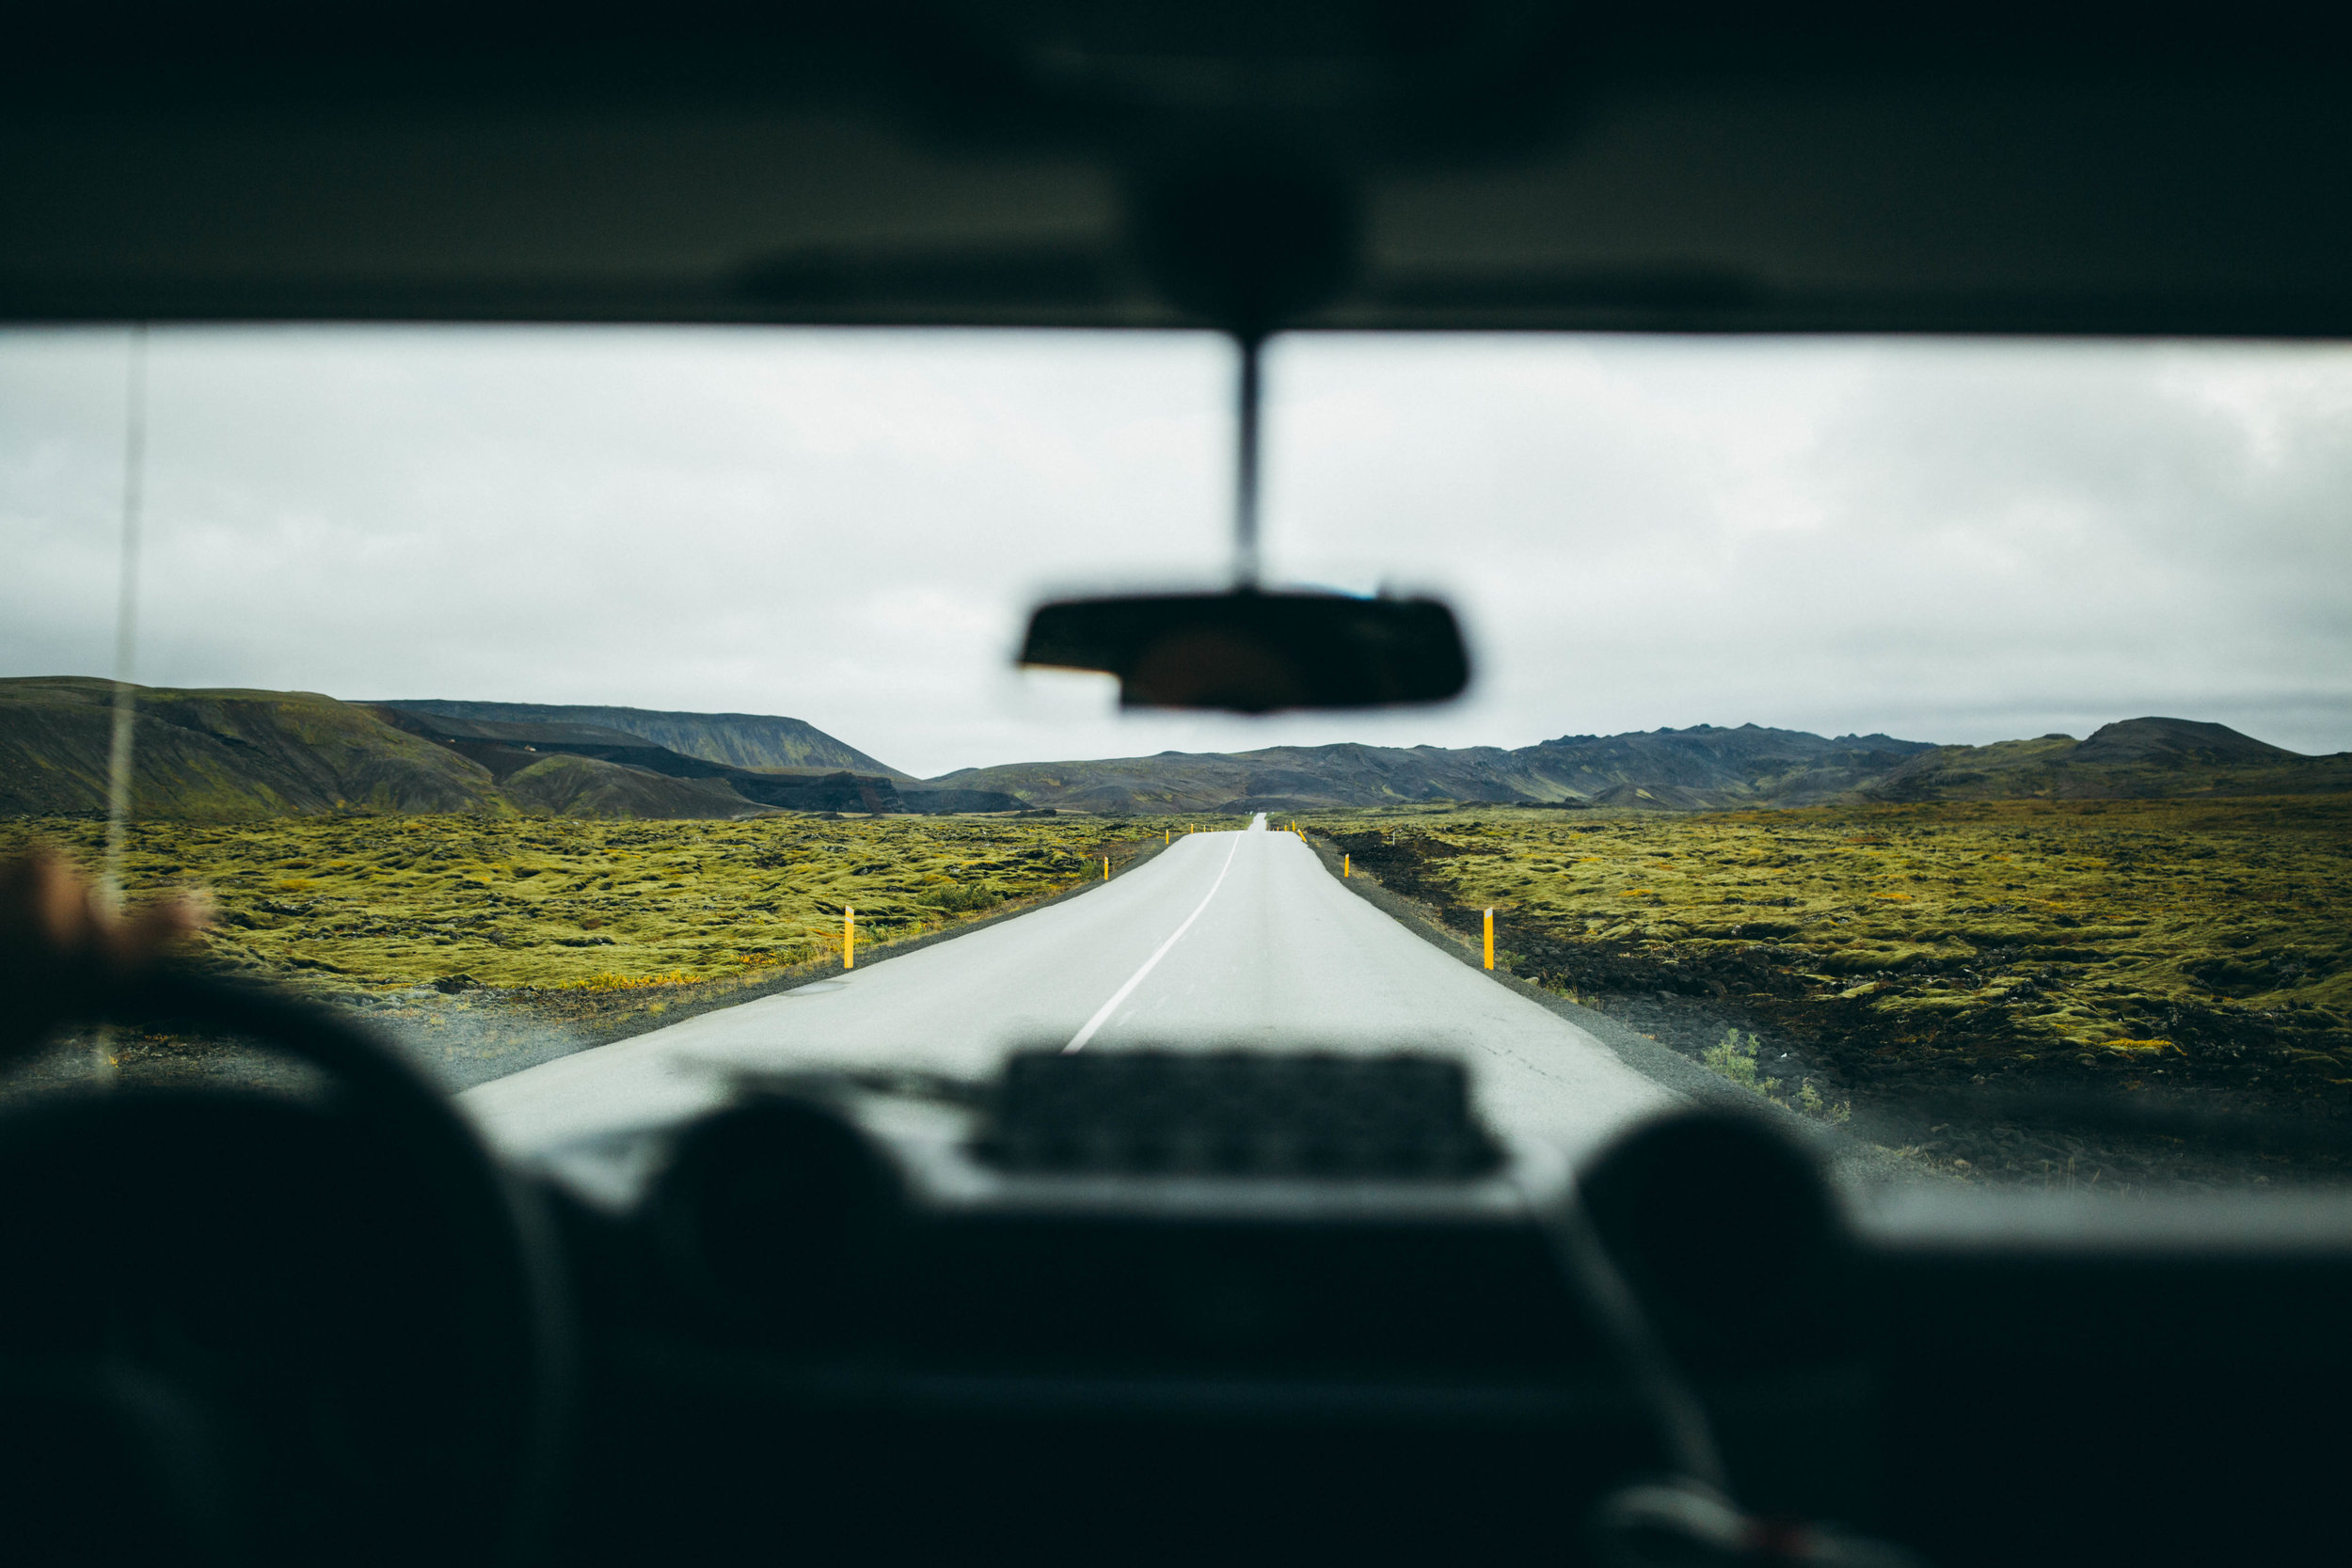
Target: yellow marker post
point(1168, 835)
point(1106, 868)
point(1490, 939)
point(849, 938)
point(1346, 862)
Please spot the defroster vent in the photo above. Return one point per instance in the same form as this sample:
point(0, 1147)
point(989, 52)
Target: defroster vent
point(1236, 1113)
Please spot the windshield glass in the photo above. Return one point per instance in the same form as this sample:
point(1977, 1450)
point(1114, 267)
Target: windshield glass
point(1943, 742)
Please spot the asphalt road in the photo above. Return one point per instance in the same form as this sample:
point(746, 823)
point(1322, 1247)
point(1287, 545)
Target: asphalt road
point(1224, 940)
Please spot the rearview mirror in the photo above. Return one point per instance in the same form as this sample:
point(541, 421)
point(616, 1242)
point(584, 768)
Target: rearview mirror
point(1253, 651)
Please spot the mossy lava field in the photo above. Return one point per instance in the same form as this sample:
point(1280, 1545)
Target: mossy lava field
point(358, 902)
point(2188, 946)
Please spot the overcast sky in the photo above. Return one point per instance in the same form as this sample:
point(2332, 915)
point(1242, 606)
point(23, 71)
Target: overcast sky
point(1951, 542)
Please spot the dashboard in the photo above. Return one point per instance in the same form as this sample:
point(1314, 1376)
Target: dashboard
point(1130, 1305)
point(853, 1316)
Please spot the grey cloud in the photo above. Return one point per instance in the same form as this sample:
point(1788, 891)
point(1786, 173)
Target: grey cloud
point(1949, 540)
point(1954, 541)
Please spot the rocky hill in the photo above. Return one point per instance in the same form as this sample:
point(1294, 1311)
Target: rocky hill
point(759, 742)
point(1705, 766)
point(2130, 760)
point(1709, 765)
point(221, 754)
point(225, 754)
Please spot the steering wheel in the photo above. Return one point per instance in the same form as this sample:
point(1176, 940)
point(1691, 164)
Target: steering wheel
point(316, 1323)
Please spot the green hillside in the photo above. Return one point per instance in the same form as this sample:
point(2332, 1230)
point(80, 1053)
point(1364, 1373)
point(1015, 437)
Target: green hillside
point(221, 754)
point(232, 754)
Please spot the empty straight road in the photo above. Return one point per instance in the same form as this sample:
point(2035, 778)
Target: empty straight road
point(1224, 940)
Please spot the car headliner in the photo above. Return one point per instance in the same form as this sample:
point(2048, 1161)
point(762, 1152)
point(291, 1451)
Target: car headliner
point(1501, 164)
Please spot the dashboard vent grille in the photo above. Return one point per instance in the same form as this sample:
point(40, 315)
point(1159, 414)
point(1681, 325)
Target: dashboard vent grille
point(1236, 1113)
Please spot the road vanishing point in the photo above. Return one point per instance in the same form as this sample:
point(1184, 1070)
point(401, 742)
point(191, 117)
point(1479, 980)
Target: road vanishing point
point(1240, 940)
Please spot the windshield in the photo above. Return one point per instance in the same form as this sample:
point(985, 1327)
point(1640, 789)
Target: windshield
point(1941, 743)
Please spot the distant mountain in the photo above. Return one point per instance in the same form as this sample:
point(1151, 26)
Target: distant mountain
point(233, 753)
point(2131, 759)
point(221, 754)
point(759, 741)
point(238, 754)
point(1703, 767)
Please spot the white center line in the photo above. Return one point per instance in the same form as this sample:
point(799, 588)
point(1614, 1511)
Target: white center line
point(1102, 1015)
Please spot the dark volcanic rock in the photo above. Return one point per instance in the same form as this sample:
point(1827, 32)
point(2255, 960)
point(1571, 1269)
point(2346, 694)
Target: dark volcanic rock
point(667, 782)
point(919, 798)
point(760, 742)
